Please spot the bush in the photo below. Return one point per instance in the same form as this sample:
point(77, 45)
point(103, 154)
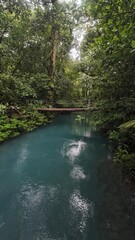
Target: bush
point(123, 140)
point(12, 127)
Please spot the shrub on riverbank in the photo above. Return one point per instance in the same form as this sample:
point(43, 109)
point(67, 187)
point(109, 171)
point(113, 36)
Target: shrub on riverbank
point(123, 140)
point(121, 136)
point(13, 124)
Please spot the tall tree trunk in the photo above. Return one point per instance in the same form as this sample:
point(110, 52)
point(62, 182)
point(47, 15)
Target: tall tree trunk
point(54, 55)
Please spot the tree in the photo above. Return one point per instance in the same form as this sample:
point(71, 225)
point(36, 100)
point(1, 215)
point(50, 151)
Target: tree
point(109, 53)
point(35, 40)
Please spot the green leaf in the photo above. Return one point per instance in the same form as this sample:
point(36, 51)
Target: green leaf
point(133, 44)
point(129, 124)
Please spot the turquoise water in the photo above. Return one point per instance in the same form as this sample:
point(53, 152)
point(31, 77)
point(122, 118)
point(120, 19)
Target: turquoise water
point(49, 182)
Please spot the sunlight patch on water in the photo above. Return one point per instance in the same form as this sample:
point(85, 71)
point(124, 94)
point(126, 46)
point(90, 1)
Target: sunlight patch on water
point(73, 149)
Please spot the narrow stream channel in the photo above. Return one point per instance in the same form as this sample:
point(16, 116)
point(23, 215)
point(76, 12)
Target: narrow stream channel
point(49, 182)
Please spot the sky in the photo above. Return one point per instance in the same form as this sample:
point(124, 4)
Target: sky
point(78, 36)
point(78, 2)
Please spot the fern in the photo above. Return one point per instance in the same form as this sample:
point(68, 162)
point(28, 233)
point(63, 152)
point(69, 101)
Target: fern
point(129, 124)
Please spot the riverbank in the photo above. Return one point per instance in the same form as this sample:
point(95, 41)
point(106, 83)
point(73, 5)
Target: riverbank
point(16, 123)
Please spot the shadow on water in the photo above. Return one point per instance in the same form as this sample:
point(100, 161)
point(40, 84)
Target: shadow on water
point(53, 184)
point(117, 210)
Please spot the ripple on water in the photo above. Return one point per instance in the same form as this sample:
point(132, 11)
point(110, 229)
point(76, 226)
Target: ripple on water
point(32, 196)
point(35, 202)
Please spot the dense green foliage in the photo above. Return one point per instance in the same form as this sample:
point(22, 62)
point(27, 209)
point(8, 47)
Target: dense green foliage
point(27, 48)
point(14, 121)
point(35, 39)
point(108, 54)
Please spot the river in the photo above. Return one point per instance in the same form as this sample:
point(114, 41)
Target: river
point(49, 182)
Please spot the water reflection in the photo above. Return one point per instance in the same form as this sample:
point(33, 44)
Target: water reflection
point(81, 209)
point(2, 223)
point(81, 126)
point(87, 133)
point(32, 196)
point(72, 149)
point(23, 156)
point(36, 202)
point(77, 173)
